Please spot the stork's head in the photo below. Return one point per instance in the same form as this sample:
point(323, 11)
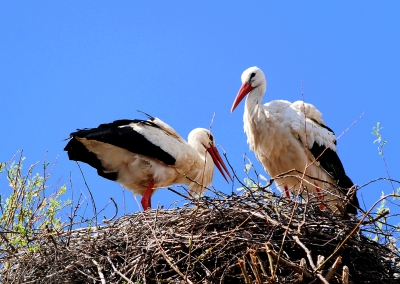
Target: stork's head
point(202, 140)
point(252, 78)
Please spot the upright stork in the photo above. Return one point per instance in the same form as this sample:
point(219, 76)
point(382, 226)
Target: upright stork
point(144, 155)
point(292, 136)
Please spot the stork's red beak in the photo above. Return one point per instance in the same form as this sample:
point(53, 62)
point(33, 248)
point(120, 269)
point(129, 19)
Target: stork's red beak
point(244, 90)
point(218, 161)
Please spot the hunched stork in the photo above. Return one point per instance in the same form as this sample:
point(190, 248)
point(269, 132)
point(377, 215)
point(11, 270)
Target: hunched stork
point(144, 155)
point(292, 136)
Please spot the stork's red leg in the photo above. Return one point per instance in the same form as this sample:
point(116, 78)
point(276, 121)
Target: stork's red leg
point(146, 199)
point(287, 192)
point(320, 197)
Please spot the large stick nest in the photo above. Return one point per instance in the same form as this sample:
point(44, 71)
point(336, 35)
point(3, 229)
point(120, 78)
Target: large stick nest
point(255, 236)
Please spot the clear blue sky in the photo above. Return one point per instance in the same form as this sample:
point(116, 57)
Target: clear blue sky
point(75, 64)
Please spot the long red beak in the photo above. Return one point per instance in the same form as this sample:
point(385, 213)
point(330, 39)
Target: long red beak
point(218, 161)
point(243, 91)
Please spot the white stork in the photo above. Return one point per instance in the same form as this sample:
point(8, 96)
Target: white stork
point(286, 136)
point(144, 155)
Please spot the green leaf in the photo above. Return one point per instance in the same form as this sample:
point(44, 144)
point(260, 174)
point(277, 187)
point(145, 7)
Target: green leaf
point(262, 177)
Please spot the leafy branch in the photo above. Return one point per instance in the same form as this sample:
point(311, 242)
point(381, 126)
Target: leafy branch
point(27, 210)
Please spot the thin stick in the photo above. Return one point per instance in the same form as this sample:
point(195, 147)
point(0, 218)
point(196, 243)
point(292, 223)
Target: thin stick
point(91, 195)
point(244, 271)
point(254, 267)
point(345, 275)
point(289, 264)
point(119, 273)
point(308, 252)
point(99, 270)
point(334, 267)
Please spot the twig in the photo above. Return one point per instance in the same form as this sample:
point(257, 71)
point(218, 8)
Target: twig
point(270, 261)
point(99, 270)
point(262, 267)
point(310, 260)
point(91, 195)
point(254, 267)
point(334, 267)
point(244, 271)
point(288, 263)
point(308, 252)
point(119, 273)
point(380, 215)
point(303, 266)
point(105, 220)
point(320, 259)
point(345, 275)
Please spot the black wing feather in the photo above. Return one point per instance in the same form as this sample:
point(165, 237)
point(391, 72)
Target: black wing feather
point(78, 152)
point(330, 162)
point(119, 134)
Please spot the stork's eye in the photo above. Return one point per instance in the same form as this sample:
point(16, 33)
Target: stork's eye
point(252, 75)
